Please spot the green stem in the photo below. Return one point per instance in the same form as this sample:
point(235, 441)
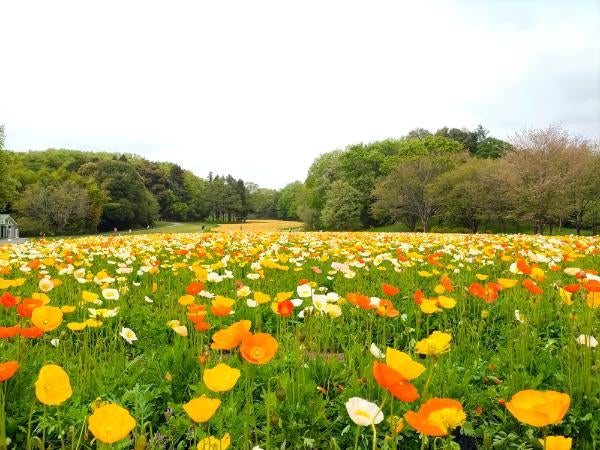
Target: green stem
point(2, 417)
point(374, 435)
point(426, 387)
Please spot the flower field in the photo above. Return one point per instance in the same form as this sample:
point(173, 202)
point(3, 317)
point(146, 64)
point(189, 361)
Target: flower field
point(300, 340)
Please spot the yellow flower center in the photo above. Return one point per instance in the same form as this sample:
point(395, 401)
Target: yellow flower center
point(447, 418)
point(362, 413)
point(257, 352)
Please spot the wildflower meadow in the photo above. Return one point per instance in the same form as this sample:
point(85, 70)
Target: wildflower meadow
point(290, 340)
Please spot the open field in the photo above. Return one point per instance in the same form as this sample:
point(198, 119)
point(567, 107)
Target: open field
point(277, 340)
point(258, 226)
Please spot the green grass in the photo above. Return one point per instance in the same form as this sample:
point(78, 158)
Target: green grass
point(510, 229)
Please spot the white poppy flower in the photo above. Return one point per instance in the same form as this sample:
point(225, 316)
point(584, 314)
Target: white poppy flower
point(110, 294)
point(589, 341)
point(363, 412)
point(128, 334)
point(304, 290)
point(376, 352)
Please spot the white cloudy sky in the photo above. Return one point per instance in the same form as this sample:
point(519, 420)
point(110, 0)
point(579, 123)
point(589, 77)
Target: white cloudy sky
point(259, 88)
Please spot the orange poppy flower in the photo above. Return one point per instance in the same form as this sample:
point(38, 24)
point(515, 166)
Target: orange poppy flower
point(6, 332)
point(285, 308)
point(196, 317)
point(359, 300)
point(8, 369)
point(221, 306)
point(532, 287)
point(34, 264)
point(7, 300)
point(25, 308)
point(231, 337)
point(592, 286)
point(572, 288)
point(195, 308)
point(201, 326)
point(447, 283)
point(437, 417)
point(31, 332)
point(389, 290)
point(419, 296)
point(194, 288)
point(386, 308)
point(487, 293)
point(524, 267)
point(259, 348)
point(539, 408)
point(394, 382)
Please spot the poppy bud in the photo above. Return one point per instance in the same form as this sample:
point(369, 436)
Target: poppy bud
point(140, 443)
point(275, 419)
point(281, 394)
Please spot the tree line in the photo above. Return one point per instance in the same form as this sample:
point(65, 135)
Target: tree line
point(460, 179)
point(448, 180)
point(61, 191)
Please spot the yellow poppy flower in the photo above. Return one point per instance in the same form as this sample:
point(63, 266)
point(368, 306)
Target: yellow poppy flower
point(212, 443)
point(220, 378)
point(435, 344)
point(202, 409)
point(261, 298)
point(53, 386)
point(403, 363)
point(111, 423)
point(186, 300)
point(539, 408)
point(76, 326)
point(47, 318)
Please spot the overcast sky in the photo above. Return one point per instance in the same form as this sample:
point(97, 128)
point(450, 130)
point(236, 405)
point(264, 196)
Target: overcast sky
point(258, 88)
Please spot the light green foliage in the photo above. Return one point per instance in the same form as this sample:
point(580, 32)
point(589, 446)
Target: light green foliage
point(342, 209)
point(471, 193)
point(8, 183)
point(287, 203)
point(326, 169)
point(415, 147)
point(263, 202)
point(491, 147)
point(53, 208)
point(406, 193)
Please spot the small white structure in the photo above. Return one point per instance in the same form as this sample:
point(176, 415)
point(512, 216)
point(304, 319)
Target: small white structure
point(8, 227)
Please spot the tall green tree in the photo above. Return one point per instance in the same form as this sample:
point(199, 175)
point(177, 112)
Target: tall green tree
point(56, 208)
point(287, 203)
point(491, 147)
point(324, 170)
point(410, 148)
point(342, 209)
point(130, 203)
point(407, 192)
point(8, 183)
point(468, 193)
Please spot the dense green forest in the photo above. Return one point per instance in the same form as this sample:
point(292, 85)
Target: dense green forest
point(457, 180)
point(452, 179)
point(61, 191)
